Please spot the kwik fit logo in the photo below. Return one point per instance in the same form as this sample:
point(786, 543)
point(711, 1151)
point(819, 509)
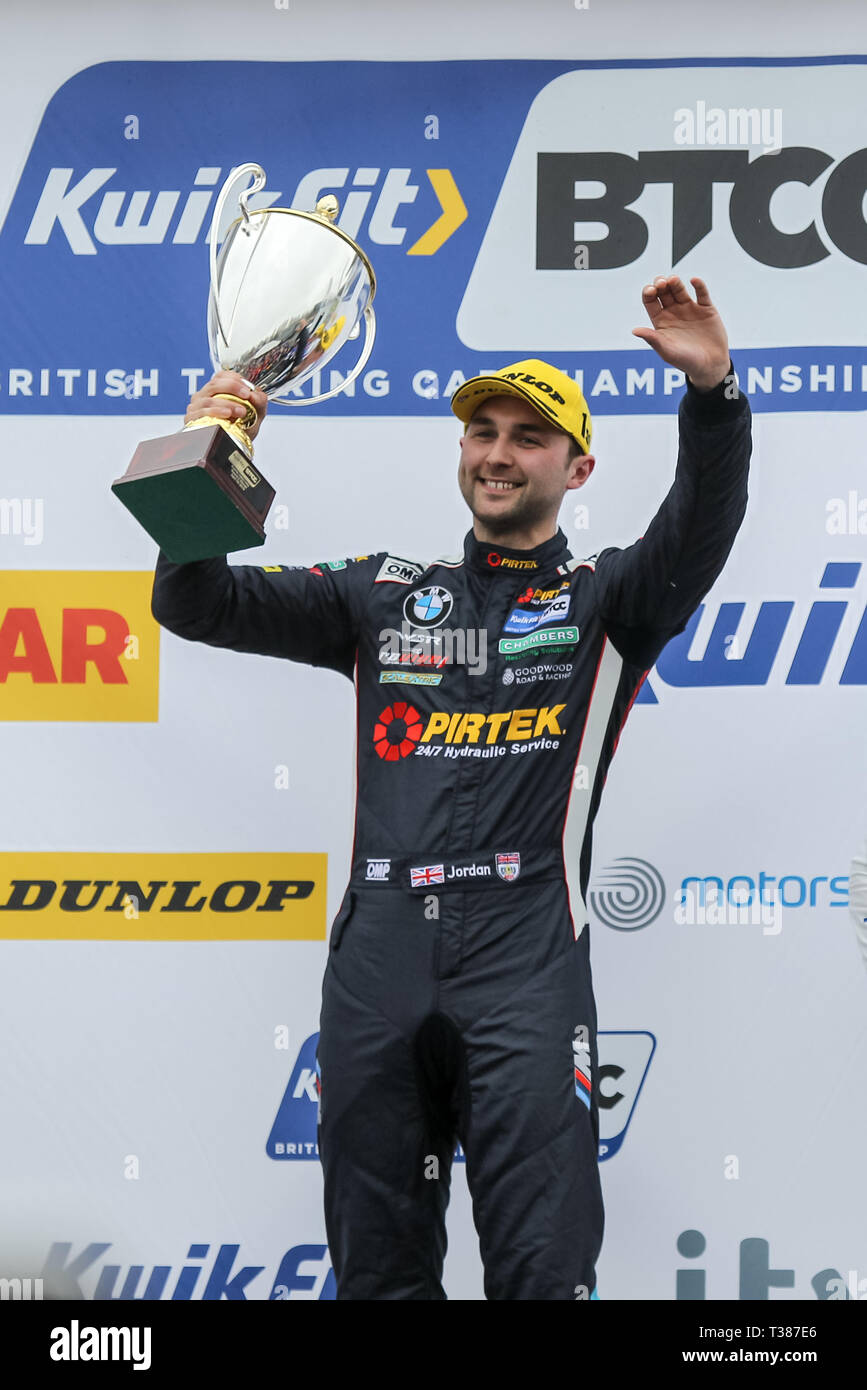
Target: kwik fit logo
point(210, 1273)
point(786, 645)
point(92, 208)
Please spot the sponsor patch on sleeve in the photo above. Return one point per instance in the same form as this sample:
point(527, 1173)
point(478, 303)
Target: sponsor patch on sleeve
point(393, 570)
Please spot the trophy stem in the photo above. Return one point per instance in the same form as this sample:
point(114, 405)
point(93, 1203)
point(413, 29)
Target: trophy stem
point(236, 428)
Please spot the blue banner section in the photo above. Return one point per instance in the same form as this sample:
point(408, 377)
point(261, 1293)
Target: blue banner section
point(104, 266)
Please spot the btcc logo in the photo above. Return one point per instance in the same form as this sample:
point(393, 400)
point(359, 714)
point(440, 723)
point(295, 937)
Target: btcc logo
point(506, 727)
point(692, 175)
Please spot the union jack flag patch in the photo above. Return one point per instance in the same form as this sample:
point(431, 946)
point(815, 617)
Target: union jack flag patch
point(433, 873)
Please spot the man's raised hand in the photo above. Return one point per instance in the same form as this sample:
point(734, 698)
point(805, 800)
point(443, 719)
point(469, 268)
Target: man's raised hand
point(686, 332)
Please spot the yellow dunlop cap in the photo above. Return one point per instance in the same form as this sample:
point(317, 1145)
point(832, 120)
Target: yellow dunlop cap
point(554, 394)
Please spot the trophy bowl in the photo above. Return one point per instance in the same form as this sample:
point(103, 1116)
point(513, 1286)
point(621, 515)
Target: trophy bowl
point(288, 288)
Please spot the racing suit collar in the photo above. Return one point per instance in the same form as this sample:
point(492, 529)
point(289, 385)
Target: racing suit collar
point(502, 559)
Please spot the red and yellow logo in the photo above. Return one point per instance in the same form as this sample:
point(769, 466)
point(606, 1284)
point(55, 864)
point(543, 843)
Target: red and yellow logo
point(77, 645)
point(397, 731)
point(399, 728)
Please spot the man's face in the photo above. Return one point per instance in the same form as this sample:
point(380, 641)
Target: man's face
point(515, 469)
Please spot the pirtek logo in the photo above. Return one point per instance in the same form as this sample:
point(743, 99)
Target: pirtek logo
point(531, 595)
point(507, 727)
point(692, 175)
point(398, 729)
point(498, 561)
point(65, 197)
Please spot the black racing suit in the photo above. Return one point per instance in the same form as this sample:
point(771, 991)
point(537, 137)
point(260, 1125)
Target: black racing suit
point(457, 999)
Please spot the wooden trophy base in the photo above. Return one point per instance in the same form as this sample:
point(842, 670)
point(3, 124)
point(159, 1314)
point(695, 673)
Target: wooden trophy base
point(197, 494)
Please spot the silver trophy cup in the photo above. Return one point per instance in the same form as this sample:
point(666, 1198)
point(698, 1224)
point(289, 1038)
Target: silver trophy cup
point(288, 288)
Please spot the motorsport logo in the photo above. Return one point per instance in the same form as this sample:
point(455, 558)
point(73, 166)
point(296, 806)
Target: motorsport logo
point(52, 895)
point(624, 1060)
point(400, 732)
point(629, 894)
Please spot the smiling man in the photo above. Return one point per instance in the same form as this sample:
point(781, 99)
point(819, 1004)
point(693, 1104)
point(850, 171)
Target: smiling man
point(505, 474)
point(458, 1001)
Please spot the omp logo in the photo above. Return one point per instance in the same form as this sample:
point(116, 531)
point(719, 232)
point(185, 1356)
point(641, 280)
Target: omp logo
point(623, 1063)
point(78, 646)
point(84, 207)
point(819, 648)
point(162, 897)
point(628, 894)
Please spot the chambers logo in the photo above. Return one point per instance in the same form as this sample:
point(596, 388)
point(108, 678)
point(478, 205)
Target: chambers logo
point(78, 646)
point(624, 1061)
point(162, 897)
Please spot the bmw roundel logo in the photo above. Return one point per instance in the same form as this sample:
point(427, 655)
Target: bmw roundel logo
point(428, 607)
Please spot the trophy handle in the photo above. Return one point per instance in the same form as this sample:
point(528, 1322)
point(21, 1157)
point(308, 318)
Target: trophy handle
point(369, 335)
point(258, 175)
